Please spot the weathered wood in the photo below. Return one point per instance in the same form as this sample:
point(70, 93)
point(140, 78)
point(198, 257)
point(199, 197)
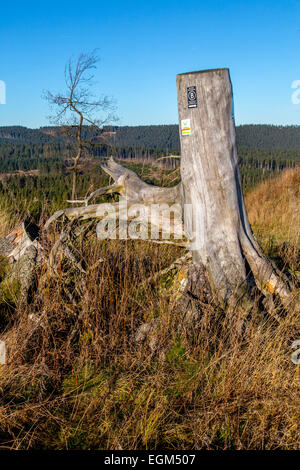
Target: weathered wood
point(216, 223)
point(15, 244)
point(135, 191)
point(219, 226)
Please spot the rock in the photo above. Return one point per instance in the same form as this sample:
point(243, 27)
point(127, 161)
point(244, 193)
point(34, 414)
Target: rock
point(148, 331)
point(143, 331)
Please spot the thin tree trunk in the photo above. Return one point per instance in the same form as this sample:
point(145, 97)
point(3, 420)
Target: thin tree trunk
point(78, 156)
point(74, 182)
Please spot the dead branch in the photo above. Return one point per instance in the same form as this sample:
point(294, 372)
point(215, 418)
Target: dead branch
point(128, 185)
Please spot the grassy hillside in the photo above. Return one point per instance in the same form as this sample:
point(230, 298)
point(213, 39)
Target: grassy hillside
point(274, 211)
point(79, 378)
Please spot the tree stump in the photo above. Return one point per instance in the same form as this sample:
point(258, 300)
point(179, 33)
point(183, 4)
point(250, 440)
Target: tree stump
point(215, 216)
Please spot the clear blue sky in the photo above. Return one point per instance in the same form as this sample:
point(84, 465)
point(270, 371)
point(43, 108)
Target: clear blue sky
point(143, 45)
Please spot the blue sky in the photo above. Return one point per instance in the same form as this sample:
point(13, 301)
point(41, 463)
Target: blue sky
point(143, 45)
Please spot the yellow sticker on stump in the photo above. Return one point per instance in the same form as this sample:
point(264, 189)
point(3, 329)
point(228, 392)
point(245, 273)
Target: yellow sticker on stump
point(186, 127)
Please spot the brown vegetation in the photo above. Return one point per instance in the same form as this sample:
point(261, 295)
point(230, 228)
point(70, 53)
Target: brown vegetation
point(78, 379)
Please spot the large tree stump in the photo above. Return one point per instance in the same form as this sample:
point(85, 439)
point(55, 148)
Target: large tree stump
point(218, 226)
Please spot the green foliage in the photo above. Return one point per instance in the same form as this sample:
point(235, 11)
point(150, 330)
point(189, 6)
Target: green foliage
point(160, 136)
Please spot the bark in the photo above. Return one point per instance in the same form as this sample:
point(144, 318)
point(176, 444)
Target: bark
point(218, 225)
point(15, 244)
point(23, 254)
point(136, 190)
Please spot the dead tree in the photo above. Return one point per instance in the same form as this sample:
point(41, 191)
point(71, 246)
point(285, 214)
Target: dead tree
point(76, 111)
point(216, 221)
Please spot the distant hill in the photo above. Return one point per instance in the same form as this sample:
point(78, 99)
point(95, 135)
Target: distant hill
point(254, 136)
point(24, 135)
point(260, 136)
point(162, 136)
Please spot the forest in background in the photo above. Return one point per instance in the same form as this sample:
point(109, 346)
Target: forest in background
point(164, 136)
point(35, 164)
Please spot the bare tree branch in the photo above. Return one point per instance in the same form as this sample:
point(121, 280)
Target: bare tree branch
point(77, 108)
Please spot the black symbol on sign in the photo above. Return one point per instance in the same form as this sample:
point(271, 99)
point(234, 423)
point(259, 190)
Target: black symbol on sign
point(192, 96)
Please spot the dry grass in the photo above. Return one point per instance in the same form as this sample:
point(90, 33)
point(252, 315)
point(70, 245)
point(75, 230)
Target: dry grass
point(6, 223)
point(274, 210)
point(77, 379)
